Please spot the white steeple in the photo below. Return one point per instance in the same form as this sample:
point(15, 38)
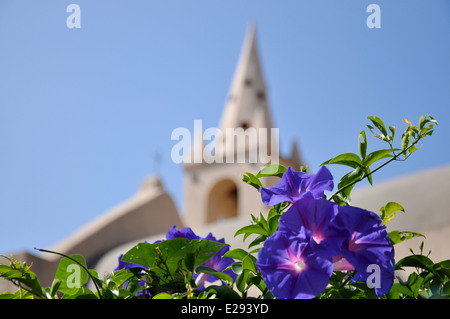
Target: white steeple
point(247, 104)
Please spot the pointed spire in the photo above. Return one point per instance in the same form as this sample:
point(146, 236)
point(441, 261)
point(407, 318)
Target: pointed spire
point(295, 154)
point(247, 104)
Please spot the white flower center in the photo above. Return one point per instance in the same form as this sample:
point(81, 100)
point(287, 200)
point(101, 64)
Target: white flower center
point(299, 265)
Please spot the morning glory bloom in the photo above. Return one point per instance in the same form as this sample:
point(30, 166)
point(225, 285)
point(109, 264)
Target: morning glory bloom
point(367, 245)
point(186, 232)
point(291, 267)
point(293, 185)
point(316, 215)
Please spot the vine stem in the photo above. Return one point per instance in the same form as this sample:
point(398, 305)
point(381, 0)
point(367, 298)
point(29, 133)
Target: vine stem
point(378, 168)
point(76, 261)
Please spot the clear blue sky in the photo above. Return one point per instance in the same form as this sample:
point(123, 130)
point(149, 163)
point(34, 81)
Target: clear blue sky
point(83, 111)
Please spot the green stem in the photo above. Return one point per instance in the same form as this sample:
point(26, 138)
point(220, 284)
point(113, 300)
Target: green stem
point(76, 261)
point(378, 168)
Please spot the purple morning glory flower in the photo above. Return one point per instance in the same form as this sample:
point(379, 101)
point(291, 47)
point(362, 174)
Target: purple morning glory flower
point(186, 232)
point(291, 267)
point(368, 244)
point(316, 215)
point(293, 185)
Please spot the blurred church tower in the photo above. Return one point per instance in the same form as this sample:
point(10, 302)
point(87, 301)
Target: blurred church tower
point(214, 191)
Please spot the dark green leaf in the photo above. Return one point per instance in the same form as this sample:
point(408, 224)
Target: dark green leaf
point(241, 280)
point(223, 292)
point(347, 180)
point(259, 239)
point(210, 271)
point(398, 290)
point(419, 261)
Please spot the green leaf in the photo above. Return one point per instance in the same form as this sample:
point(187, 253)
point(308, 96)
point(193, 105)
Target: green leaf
point(258, 282)
point(23, 275)
point(54, 288)
point(398, 290)
point(251, 229)
point(252, 180)
point(397, 236)
point(237, 253)
point(71, 275)
point(274, 223)
point(189, 261)
point(241, 280)
point(348, 159)
point(348, 179)
point(378, 155)
point(248, 263)
point(419, 261)
point(223, 292)
point(210, 271)
point(392, 129)
point(272, 170)
point(204, 249)
point(378, 124)
point(165, 257)
point(258, 240)
point(362, 143)
point(236, 267)
point(405, 140)
point(163, 295)
point(389, 211)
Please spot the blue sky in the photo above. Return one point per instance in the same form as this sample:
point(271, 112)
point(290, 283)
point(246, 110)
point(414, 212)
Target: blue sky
point(84, 111)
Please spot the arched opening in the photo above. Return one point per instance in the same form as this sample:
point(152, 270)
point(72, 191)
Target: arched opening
point(222, 201)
